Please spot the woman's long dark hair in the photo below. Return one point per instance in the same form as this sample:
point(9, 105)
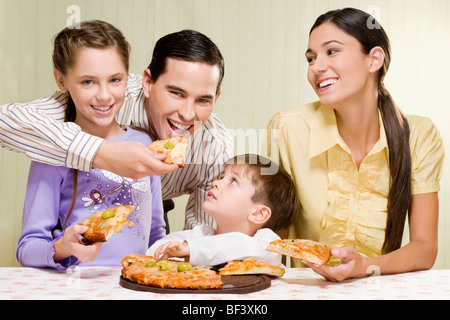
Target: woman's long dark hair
point(361, 26)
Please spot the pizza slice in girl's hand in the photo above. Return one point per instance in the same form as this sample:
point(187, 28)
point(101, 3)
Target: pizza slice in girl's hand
point(103, 224)
point(250, 266)
point(173, 148)
point(305, 250)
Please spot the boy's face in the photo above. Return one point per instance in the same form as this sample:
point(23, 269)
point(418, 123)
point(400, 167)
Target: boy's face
point(183, 94)
point(229, 201)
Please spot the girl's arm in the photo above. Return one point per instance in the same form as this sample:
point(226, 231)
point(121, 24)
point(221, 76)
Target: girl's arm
point(40, 217)
point(419, 254)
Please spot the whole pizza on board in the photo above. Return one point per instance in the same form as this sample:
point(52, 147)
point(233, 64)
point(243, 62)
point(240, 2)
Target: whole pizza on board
point(172, 274)
point(145, 270)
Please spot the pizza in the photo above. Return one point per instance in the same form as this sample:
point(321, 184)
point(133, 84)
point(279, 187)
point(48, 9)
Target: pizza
point(104, 223)
point(250, 266)
point(172, 274)
point(173, 148)
point(305, 250)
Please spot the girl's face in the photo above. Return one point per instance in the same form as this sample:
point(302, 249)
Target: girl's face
point(97, 85)
point(338, 69)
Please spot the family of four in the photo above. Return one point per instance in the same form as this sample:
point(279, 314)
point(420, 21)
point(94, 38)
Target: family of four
point(350, 168)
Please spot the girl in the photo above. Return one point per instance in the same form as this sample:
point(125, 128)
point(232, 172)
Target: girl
point(91, 66)
point(360, 165)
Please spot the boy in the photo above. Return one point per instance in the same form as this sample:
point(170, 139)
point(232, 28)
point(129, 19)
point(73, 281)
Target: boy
point(248, 206)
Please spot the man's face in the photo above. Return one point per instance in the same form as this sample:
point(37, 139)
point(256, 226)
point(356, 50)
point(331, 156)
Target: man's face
point(183, 94)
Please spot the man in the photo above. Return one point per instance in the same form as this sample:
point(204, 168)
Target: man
point(175, 95)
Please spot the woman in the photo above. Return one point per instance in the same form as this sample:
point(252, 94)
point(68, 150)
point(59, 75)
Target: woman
point(359, 164)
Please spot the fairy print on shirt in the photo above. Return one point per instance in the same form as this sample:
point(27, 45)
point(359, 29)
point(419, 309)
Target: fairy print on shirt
point(104, 189)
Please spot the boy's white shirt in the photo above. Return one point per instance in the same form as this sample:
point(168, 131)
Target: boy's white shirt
point(209, 249)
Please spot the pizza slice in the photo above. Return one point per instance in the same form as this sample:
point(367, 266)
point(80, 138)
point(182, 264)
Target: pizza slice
point(173, 148)
point(250, 266)
point(135, 257)
point(103, 224)
point(305, 250)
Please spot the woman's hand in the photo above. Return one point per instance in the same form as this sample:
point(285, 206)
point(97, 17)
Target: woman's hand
point(71, 245)
point(353, 265)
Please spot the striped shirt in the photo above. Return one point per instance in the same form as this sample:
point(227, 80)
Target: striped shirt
point(38, 130)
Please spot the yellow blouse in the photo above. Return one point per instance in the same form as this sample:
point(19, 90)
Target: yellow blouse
point(341, 205)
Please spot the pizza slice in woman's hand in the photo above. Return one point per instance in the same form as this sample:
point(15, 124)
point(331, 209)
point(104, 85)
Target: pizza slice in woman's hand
point(305, 250)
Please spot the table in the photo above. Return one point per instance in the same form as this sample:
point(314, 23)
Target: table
point(103, 283)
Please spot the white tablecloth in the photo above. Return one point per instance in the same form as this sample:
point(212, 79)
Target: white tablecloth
point(103, 283)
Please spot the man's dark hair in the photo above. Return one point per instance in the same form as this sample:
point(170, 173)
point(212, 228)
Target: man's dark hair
point(187, 45)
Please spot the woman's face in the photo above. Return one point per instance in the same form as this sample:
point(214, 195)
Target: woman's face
point(339, 71)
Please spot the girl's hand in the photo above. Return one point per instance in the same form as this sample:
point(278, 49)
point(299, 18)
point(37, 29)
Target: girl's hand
point(71, 245)
point(172, 249)
point(353, 265)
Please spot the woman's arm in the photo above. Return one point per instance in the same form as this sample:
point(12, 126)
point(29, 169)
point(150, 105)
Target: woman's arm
point(419, 254)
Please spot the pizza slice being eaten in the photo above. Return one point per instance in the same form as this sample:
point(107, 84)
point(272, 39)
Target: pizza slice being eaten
point(104, 223)
point(173, 148)
point(305, 250)
point(250, 266)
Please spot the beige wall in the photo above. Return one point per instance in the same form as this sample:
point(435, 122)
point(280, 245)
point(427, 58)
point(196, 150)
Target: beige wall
point(263, 42)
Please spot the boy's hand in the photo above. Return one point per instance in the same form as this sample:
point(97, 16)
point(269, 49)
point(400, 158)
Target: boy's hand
point(172, 249)
point(71, 245)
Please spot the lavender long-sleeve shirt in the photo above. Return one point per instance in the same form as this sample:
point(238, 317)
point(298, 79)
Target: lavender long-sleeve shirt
point(49, 196)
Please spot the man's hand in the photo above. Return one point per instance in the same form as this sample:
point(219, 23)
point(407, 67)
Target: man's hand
point(131, 159)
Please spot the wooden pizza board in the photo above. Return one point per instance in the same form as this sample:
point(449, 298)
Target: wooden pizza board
point(231, 284)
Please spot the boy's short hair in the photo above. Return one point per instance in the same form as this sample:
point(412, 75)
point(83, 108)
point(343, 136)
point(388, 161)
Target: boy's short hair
point(273, 188)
